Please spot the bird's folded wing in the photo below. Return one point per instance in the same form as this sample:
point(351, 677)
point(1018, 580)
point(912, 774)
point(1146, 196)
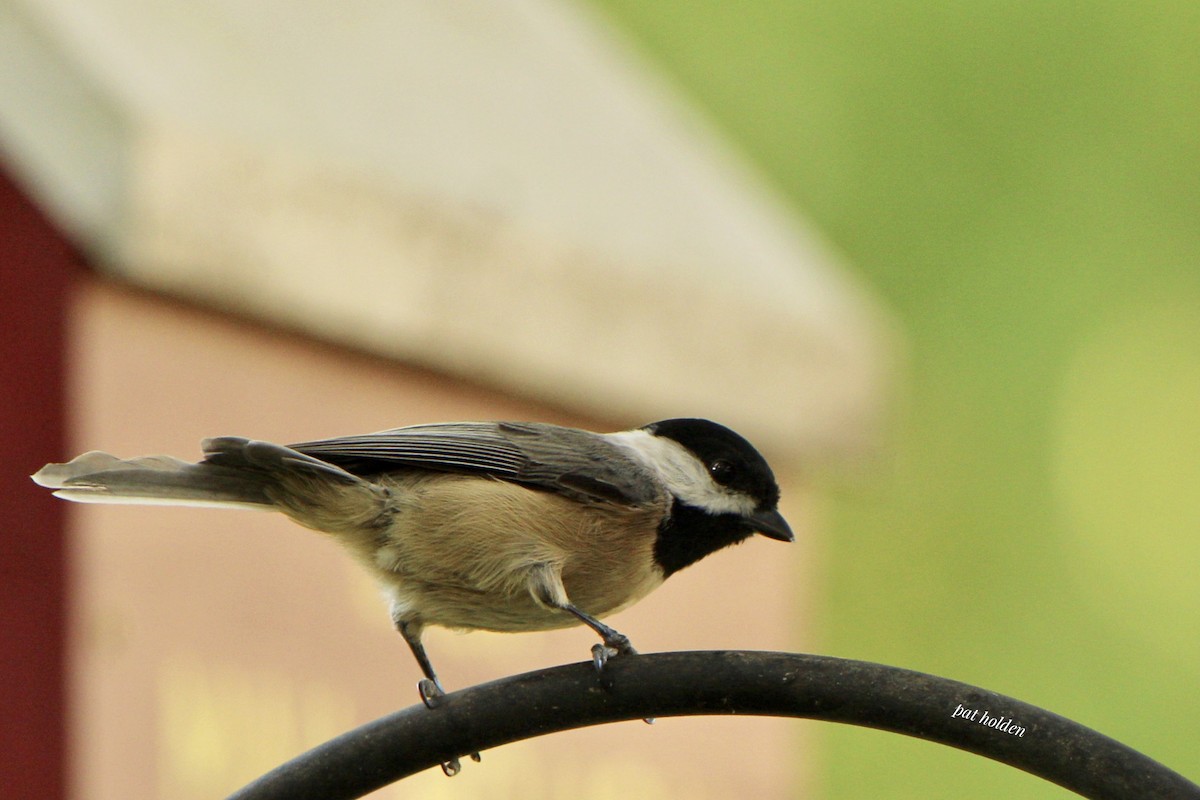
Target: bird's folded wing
point(571, 462)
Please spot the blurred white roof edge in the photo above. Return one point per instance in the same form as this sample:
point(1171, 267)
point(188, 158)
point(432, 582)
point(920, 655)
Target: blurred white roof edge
point(499, 191)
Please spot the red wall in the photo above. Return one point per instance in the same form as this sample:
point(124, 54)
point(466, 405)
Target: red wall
point(36, 266)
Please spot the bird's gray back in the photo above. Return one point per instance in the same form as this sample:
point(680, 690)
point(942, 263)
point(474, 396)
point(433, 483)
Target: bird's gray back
point(575, 463)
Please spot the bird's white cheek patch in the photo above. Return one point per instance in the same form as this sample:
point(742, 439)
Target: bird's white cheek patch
point(684, 474)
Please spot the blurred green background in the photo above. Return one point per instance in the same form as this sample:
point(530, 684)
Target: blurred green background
point(1020, 182)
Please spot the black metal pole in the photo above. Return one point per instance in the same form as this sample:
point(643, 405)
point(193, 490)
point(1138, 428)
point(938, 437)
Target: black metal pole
point(679, 684)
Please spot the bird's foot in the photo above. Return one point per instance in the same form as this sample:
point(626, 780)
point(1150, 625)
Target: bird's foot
point(431, 695)
point(615, 645)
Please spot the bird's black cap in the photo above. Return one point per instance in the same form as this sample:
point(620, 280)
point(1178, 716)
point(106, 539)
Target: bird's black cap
point(732, 461)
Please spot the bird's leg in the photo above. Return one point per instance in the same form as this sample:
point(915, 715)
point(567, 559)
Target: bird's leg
point(546, 586)
point(429, 687)
point(615, 642)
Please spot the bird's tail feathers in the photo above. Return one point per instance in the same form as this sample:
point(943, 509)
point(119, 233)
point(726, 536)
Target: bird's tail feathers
point(98, 477)
point(236, 472)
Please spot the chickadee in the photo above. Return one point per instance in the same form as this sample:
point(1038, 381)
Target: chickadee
point(501, 526)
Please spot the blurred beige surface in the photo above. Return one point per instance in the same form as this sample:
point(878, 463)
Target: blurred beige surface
point(211, 645)
point(442, 184)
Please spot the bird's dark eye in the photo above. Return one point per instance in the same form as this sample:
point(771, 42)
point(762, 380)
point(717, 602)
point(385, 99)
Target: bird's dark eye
point(721, 471)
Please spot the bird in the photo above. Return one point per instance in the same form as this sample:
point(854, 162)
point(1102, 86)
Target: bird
point(497, 525)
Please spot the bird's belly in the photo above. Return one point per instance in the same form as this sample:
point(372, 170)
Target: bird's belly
point(473, 568)
point(510, 606)
point(456, 608)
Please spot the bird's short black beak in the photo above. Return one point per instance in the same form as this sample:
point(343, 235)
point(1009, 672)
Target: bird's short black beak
point(772, 525)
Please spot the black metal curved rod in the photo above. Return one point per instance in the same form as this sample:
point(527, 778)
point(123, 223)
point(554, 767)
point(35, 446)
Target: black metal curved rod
point(679, 684)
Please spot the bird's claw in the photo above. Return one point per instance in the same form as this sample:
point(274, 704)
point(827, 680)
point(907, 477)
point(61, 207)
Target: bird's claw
point(600, 655)
point(622, 645)
point(454, 766)
point(431, 693)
